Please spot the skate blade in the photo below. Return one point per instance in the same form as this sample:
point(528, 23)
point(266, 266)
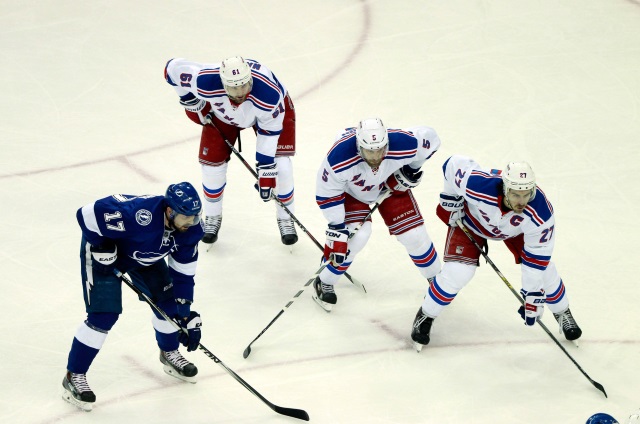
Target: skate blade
point(418, 346)
point(575, 342)
point(173, 373)
point(324, 305)
point(85, 406)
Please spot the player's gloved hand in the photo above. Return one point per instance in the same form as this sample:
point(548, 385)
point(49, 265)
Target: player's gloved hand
point(267, 174)
point(404, 179)
point(335, 247)
point(192, 324)
point(450, 208)
point(103, 258)
point(533, 306)
point(197, 109)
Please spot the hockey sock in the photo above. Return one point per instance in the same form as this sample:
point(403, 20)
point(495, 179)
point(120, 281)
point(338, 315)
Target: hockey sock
point(445, 286)
point(214, 180)
point(88, 340)
point(166, 334)
point(557, 299)
point(284, 186)
point(421, 250)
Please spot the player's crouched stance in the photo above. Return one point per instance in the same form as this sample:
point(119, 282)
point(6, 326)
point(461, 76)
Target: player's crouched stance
point(133, 234)
point(496, 205)
point(365, 164)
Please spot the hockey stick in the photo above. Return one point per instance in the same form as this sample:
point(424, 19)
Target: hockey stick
point(290, 412)
point(275, 197)
point(515, 293)
point(380, 199)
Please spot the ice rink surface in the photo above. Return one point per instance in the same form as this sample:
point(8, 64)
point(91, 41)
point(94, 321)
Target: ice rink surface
point(86, 113)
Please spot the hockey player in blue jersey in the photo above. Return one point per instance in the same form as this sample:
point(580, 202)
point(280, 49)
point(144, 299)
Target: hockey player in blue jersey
point(496, 205)
point(362, 163)
point(133, 234)
point(225, 98)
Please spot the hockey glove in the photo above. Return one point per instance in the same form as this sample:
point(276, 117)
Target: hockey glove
point(533, 306)
point(191, 337)
point(196, 109)
point(404, 179)
point(104, 258)
point(450, 208)
point(267, 174)
point(335, 247)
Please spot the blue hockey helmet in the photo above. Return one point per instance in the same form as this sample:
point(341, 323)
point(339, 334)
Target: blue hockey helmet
point(601, 418)
point(183, 199)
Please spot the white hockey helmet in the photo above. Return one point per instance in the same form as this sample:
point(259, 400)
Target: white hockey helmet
point(235, 72)
point(373, 140)
point(372, 134)
point(519, 176)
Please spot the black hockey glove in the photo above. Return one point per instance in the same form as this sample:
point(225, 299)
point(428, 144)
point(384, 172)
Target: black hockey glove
point(404, 179)
point(103, 258)
point(191, 337)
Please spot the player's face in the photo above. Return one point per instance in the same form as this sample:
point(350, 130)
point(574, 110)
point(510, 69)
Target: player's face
point(373, 157)
point(517, 199)
point(239, 94)
point(183, 222)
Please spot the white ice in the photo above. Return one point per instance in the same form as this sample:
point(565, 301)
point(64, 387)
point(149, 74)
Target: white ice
point(86, 113)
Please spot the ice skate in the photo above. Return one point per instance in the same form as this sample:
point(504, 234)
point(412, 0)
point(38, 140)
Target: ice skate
point(421, 330)
point(568, 326)
point(212, 226)
point(324, 295)
point(77, 392)
point(288, 233)
point(177, 366)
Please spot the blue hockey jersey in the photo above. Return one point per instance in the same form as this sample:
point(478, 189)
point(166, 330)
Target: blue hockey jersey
point(136, 225)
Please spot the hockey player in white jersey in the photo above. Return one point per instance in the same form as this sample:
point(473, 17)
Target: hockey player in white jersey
point(225, 98)
point(364, 161)
point(496, 205)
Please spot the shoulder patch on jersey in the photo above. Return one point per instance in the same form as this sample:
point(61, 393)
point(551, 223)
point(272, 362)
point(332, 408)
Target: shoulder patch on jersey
point(144, 217)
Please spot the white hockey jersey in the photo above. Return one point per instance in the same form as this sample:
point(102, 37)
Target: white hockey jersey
point(344, 171)
point(263, 108)
point(485, 215)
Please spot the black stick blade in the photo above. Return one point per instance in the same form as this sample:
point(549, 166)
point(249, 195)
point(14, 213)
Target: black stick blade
point(600, 387)
point(291, 412)
point(246, 352)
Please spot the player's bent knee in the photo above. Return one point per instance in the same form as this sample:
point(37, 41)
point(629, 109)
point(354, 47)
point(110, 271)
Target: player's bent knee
point(102, 320)
point(360, 238)
point(214, 171)
point(455, 275)
point(415, 238)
